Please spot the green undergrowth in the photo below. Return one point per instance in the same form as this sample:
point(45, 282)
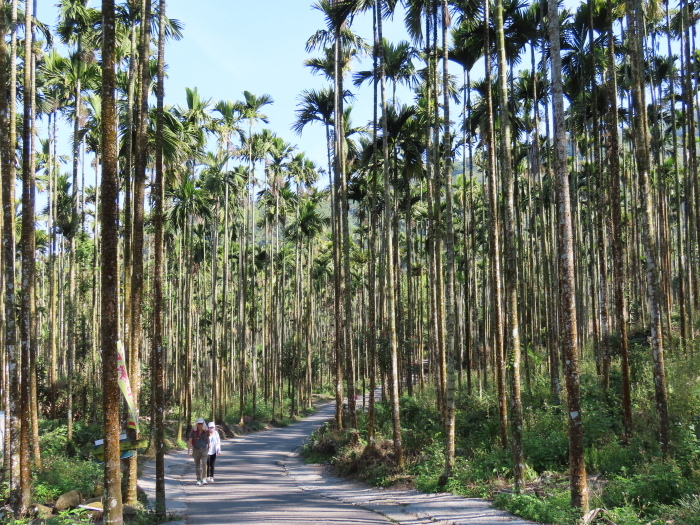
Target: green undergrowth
point(631, 483)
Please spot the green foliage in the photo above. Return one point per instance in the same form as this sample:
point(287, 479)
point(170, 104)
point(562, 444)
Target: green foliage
point(54, 441)
point(321, 445)
point(419, 423)
point(626, 515)
point(686, 511)
point(659, 483)
point(476, 421)
point(611, 458)
point(54, 438)
point(60, 474)
point(148, 517)
point(554, 509)
point(8, 519)
point(70, 517)
point(428, 471)
point(545, 441)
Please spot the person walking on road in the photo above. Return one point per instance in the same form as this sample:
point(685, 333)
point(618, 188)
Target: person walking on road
point(198, 447)
point(214, 450)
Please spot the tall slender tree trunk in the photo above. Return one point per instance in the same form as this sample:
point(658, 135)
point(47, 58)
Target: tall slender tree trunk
point(619, 272)
point(109, 329)
point(11, 400)
point(136, 291)
point(34, 347)
point(450, 334)
point(28, 271)
point(372, 290)
point(390, 295)
point(635, 22)
point(340, 343)
point(53, 271)
point(214, 311)
point(510, 248)
point(72, 299)
point(495, 249)
point(241, 318)
point(567, 282)
point(158, 339)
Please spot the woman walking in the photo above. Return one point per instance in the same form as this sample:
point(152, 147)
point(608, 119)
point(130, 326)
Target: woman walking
point(197, 447)
point(214, 450)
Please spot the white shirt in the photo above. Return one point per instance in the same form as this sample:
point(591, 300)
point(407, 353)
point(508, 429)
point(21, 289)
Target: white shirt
point(214, 443)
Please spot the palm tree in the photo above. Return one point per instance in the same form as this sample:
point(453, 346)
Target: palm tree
point(109, 197)
point(136, 271)
point(158, 339)
point(28, 269)
point(399, 67)
point(635, 22)
point(189, 205)
point(76, 20)
point(567, 282)
point(249, 109)
point(510, 249)
point(387, 281)
point(344, 44)
point(619, 271)
point(7, 168)
point(316, 106)
point(214, 181)
point(450, 291)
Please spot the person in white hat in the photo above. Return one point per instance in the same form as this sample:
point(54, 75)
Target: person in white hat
point(198, 446)
point(214, 450)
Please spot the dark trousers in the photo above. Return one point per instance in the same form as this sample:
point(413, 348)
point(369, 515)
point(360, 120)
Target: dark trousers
point(211, 459)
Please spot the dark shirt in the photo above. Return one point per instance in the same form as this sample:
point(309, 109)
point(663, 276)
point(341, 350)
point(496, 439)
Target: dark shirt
point(200, 440)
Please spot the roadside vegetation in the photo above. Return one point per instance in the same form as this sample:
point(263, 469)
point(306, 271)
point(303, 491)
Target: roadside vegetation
point(630, 484)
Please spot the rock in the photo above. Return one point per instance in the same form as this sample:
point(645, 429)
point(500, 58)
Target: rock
point(128, 511)
point(42, 512)
point(99, 489)
point(68, 500)
point(89, 502)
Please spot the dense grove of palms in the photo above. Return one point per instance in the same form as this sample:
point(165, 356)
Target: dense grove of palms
point(527, 200)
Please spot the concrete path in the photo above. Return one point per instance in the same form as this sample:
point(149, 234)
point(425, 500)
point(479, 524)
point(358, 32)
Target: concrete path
point(260, 479)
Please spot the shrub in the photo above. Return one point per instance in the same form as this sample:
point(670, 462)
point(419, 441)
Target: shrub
point(486, 464)
point(427, 472)
point(555, 509)
point(611, 458)
point(545, 442)
point(60, 475)
point(686, 511)
point(70, 517)
point(53, 441)
point(420, 425)
point(476, 421)
point(661, 483)
point(626, 515)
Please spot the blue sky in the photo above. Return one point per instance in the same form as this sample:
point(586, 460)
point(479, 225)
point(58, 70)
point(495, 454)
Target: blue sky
point(233, 45)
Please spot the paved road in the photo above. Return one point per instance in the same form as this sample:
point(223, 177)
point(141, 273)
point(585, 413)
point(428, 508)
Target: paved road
point(260, 480)
point(252, 486)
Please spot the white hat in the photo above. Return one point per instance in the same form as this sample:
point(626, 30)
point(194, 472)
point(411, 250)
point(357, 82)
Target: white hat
point(212, 424)
point(201, 420)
